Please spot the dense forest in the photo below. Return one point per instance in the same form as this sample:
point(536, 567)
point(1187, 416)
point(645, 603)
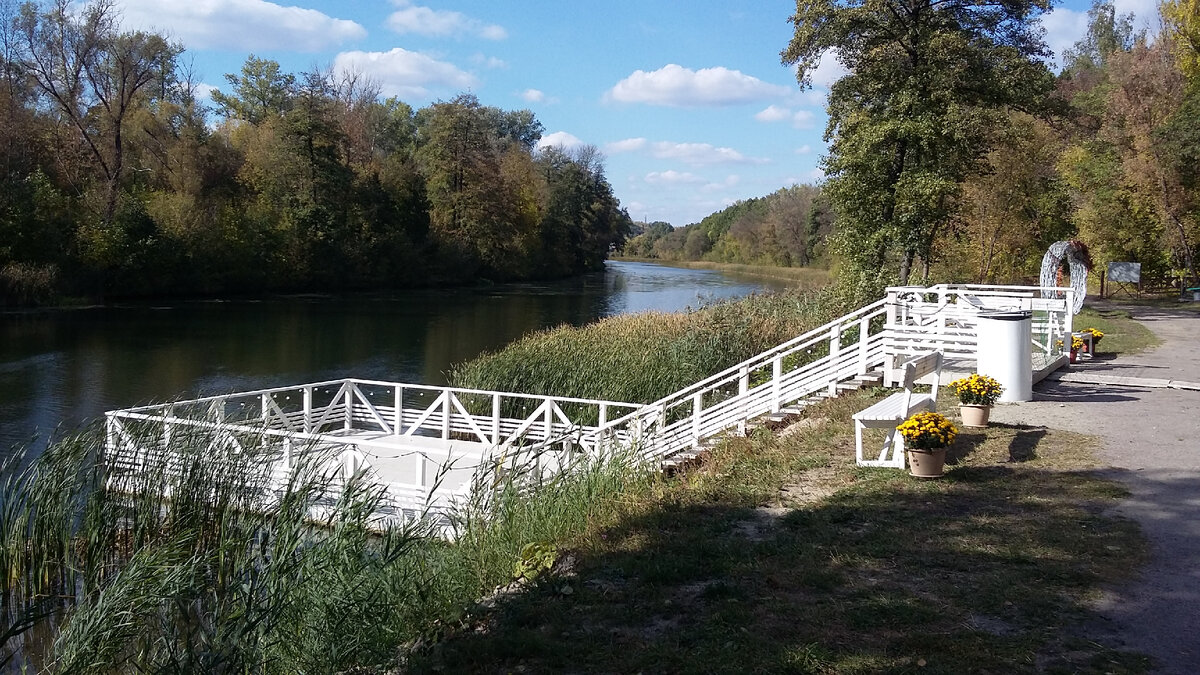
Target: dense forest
point(115, 180)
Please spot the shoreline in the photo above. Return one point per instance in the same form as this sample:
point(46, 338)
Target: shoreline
point(808, 277)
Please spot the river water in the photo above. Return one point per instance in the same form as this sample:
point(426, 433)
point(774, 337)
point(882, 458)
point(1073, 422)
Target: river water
point(63, 367)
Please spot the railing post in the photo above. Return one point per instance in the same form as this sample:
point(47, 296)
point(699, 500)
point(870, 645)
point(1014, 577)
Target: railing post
point(697, 407)
point(776, 382)
point(398, 417)
point(264, 401)
point(349, 401)
point(308, 410)
point(603, 415)
point(835, 348)
point(446, 414)
point(495, 419)
point(549, 416)
point(864, 325)
point(743, 381)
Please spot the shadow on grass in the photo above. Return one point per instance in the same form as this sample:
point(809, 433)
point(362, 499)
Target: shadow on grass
point(978, 572)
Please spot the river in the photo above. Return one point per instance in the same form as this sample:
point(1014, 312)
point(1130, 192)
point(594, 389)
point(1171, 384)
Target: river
point(61, 368)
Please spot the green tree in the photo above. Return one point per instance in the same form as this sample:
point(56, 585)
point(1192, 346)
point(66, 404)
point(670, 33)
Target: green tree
point(1182, 21)
point(927, 81)
point(259, 93)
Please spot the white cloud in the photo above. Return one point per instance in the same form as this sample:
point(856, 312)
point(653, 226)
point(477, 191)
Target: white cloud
point(204, 91)
point(560, 139)
point(672, 176)
point(829, 70)
point(240, 24)
point(1064, 27)
point(410, 18)
point(804, 150)
point(533, 95)
point(772, 113)
point(626, 145)
point(698, 154)
point(803, 119)
point(400, 72)
point(674, 85)
point(729, 182)
point(489, 62)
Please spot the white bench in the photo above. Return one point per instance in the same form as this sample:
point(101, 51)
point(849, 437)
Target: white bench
point(891, 411)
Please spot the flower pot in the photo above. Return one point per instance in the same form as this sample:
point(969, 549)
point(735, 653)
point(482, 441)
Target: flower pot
point(927, 463)
point(974, 415)
point(1074, 356)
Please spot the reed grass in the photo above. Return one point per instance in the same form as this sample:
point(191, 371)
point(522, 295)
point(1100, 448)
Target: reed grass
point(195, 560)
point(640, 358)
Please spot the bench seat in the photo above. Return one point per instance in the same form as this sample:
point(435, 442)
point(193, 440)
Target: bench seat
point(893, 407)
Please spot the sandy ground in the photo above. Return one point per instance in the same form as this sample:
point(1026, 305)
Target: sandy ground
point(1151, 437)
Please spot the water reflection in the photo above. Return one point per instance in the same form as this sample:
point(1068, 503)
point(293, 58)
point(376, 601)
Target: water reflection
point(64, 367)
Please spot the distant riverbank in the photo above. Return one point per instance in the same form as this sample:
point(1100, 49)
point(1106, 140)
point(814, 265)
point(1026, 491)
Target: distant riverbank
point(804, 277)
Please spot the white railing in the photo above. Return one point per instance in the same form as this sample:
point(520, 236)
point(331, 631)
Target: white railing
point(413, 438)
point(817, 361)
point(945, 317)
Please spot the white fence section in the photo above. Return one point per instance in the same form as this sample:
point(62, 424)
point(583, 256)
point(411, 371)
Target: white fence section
point(426, 444)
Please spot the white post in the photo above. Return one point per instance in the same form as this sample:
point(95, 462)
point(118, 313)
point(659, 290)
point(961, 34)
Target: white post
point(308, 410)
point(349, 399)
point(399, 410)
point(835, 348)
point(864, 325)
point(697, 406)
point(495, 419)
point(446, 414)
point(549, 405)
point(603, 415)
point(743, 381)
point(265, 401)
point(776, 382)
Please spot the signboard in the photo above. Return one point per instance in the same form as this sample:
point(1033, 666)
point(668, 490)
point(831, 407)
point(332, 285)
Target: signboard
point(1125, 272)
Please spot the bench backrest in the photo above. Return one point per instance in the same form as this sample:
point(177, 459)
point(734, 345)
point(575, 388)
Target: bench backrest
point(921, 366)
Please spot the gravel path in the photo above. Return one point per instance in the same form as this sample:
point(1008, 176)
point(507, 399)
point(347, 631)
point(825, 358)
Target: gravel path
point(1152, 440)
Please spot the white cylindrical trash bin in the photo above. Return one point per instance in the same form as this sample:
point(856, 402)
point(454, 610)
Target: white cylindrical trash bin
point(1005, 352)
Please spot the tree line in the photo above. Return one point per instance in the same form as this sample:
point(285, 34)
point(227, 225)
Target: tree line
point(117, 180)
point(955, 153)
point(787, 228)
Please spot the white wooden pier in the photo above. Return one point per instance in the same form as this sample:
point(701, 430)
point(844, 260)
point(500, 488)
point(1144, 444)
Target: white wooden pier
point(426, 444)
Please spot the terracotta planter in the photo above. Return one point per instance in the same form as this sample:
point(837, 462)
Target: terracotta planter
point(974, 415)
point(927, 463)
point(1074, 356)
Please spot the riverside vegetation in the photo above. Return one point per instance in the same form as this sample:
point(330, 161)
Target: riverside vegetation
point(609, 566)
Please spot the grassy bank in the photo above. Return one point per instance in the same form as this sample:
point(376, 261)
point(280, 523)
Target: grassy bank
point(1122, 334)
point(778, 555)
point(640, 358)
point(803, 277)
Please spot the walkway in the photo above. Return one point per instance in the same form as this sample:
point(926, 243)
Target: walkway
point(1151, 438)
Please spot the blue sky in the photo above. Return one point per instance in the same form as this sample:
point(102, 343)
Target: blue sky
point(687, 100)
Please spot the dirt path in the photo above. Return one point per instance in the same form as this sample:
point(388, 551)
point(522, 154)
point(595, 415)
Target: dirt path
point(1152, 440)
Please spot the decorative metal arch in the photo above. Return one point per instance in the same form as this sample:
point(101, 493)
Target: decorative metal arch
point(1077, 256)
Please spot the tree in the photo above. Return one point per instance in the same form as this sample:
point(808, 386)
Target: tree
point(261, 92)
point(927, 80)
point(94, 75)
point(1182, 21)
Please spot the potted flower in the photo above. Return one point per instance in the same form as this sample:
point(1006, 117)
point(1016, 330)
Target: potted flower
point(926, 435)
point(1096, 335)
point(1076, 347)
point(976, 396)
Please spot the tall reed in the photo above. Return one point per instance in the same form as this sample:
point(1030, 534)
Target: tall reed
point(188, 557)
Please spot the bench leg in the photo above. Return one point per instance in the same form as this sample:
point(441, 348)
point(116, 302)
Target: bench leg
point(858, 442)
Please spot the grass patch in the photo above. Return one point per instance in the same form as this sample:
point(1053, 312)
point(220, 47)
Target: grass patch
point(1122, 334)
point(640, 358)
point(777, 554)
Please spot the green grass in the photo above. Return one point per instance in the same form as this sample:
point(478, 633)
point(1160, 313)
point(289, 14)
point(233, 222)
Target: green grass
point(1122, 334)
point(777, 555)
